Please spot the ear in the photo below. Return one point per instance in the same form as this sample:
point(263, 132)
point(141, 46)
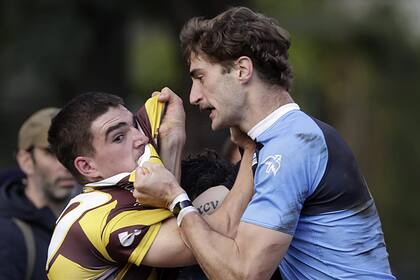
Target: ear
point(245, 69)
point(86, 167)
point(25, 161)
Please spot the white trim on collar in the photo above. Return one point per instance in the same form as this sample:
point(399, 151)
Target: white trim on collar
point(264, 124)
point(111, 181)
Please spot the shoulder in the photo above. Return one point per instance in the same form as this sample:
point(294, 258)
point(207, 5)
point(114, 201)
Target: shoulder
point(294, 151)
point(296, 135)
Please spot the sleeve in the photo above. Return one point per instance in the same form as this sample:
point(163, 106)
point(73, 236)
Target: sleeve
point(287, 173)
point(131, 233)
point(12, 251)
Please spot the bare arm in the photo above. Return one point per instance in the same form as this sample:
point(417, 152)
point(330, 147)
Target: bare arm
point(246, 252)
point(169, 250)
point(172, 132)
point(253, 253)
point(226, 218)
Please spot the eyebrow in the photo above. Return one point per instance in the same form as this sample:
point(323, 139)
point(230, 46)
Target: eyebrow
point(114, 127)
point(194, 73)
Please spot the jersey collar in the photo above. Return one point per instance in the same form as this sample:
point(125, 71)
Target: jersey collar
point(264, 124)
point(111, 181)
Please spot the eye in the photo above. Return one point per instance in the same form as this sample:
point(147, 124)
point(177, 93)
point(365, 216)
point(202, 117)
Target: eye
point(118, 138)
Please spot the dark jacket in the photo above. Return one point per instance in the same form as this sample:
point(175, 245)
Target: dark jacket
point(13, 251)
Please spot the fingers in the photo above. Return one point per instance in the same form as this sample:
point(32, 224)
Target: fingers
point(155, 93)
point(167, 90)
point(143, 170)
point(165, 95)
point(234, 134)
point(149, 165)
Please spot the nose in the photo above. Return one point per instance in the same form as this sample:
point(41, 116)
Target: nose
point(195, 95)
point(139, 138)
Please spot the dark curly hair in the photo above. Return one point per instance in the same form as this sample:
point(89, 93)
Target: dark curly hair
point(204, 170)
point(241, 32)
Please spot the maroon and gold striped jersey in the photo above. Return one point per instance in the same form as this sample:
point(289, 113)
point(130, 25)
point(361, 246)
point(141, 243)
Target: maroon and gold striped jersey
point(103, 233)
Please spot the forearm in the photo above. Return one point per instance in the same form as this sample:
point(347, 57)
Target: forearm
point(170, 152)
point(218, 255)
point(226, 219)
point(253, 253)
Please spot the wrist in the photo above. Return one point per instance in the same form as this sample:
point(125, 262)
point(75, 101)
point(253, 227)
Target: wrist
point(181, 206)
point(175, 192)
point(184, 212)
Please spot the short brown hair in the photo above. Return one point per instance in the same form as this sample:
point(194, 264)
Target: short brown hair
point(70, 132)
point(241, 32)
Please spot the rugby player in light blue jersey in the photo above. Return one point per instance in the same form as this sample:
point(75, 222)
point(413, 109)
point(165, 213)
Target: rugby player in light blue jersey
point(311, 215)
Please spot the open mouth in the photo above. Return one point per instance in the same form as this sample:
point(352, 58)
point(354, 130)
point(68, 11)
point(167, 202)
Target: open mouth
point(211, 111)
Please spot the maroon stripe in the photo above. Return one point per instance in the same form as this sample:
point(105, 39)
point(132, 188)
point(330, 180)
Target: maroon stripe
point(78, 248)
point(143, 119)
point(120, 253)
point(125, 201)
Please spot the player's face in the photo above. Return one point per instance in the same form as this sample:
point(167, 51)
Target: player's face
point(51, 176)
point(217, 91)
point(117, 142)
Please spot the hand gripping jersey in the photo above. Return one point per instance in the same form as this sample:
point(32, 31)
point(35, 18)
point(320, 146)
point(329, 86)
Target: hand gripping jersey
point(103, 233)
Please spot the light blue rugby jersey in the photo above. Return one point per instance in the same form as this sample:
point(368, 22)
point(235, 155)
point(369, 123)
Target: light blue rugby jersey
point(308, 185)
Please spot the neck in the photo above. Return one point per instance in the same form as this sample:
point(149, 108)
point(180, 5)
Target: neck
point(263, 102)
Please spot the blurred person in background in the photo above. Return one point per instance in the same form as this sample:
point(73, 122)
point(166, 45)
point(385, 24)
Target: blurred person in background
point(31, 201)
point(312, 214)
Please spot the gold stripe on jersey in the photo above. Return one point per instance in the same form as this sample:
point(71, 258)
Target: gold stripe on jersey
point(70, 215)
point(64, 268)
point(133, 217)
point(154, 110)
point(92, 223)
point(97, 225)
point(138, 254)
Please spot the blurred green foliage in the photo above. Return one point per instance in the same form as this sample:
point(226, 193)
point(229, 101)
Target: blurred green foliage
point(356, 66)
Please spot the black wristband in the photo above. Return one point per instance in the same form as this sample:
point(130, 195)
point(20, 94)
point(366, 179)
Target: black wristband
point(180, 205)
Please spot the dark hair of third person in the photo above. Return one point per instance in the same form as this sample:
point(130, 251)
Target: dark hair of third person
point(241, 32)
point(205, 170)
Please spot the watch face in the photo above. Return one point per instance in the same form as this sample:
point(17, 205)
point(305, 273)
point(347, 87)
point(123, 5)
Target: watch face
point(181, 205)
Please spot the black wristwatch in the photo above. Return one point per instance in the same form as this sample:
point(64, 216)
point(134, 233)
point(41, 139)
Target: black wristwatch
point(181, 205)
